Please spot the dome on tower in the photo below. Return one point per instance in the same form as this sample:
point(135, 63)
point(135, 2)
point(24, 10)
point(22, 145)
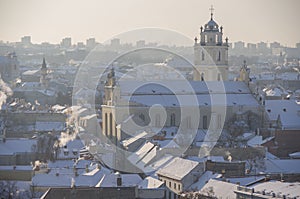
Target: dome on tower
point(211, 26)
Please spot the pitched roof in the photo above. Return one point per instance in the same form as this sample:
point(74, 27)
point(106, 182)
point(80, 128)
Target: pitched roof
point(178, 168)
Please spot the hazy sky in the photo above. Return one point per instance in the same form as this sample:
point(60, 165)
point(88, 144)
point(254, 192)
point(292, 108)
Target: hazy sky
point(52, 20)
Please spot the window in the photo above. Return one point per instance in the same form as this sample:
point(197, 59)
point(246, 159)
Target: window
point(219, 56)
point(179, 187)
point(202, 55)
point(174, 185)
point(110, 124)
point(219, 121)
point(173, 119)
point(170, 184)
point(188, 122)
point(202, 76)
point(204, 122)
point(106, 124)
point(219, 77)
point(157, 120)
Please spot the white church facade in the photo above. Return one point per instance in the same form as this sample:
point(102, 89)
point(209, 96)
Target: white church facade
point(211, 93)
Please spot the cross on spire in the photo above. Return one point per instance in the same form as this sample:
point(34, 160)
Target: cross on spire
point(211, 11)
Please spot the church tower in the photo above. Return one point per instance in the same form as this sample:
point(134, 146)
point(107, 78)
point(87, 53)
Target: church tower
point(211, 53)
point(44, 72)
point(244, 74)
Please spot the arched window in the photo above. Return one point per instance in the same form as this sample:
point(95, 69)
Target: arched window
point(188, 122)
point(173, 119)
point(202, 55)
point(219, 56)
point(110, 125)
point(204, 122)
point(105, 124)
point(219, 121)
point(219, 77)
point(157, 120)
point(202, 76)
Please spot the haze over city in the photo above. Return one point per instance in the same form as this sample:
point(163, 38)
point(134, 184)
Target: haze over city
point(249, 21)
point(149, 100)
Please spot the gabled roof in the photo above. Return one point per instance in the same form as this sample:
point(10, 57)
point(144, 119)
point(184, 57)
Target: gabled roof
point(178, 168)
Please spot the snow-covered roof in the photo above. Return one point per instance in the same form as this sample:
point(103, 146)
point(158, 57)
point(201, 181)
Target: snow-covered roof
point(258, 140)
point(72, 147)
point(178, 168)
point(288, 110)
point(49, 126)
point(220, 189)
point(143, 155)
point(179, 87)
point(31, 72)
point(205, 177)
point(133, 139)
point(292, 190)
point(246, 181)
point(274, 92)
point(212, 158)
point(282, 166)
point(128, 180)
point(64, 177)
point(12, 146)
point(58, 107)
point(200, 100)
point(295, 155)
point(150, 183)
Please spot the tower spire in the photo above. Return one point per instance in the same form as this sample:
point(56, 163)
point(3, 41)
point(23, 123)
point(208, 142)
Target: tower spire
point(211, 12)
point(44, 65)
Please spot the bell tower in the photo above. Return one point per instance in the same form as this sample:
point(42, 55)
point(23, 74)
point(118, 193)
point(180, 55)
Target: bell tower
point(44, 71)
point(211, 53)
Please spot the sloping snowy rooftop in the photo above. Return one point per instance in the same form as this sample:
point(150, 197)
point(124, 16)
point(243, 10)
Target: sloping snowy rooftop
point(178, 168)
point(49, 126)
point(66, 176)
point(128, 180)
point(150, 183)
point(292, 190)
point(206, 176)
point(288, 110)
point(199, 100)
point(12, 146)
point(282, 166)
point(181, 87)
point(221, 189)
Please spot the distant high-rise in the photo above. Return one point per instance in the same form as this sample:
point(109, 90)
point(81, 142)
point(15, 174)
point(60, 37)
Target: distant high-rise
point(140, 44)
point(91, 43)
point(26, 40)
point(115, 43)
point(275, 45)
point(239, 45)
point(66, 42)
point(211, 53)
point(80, 45)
